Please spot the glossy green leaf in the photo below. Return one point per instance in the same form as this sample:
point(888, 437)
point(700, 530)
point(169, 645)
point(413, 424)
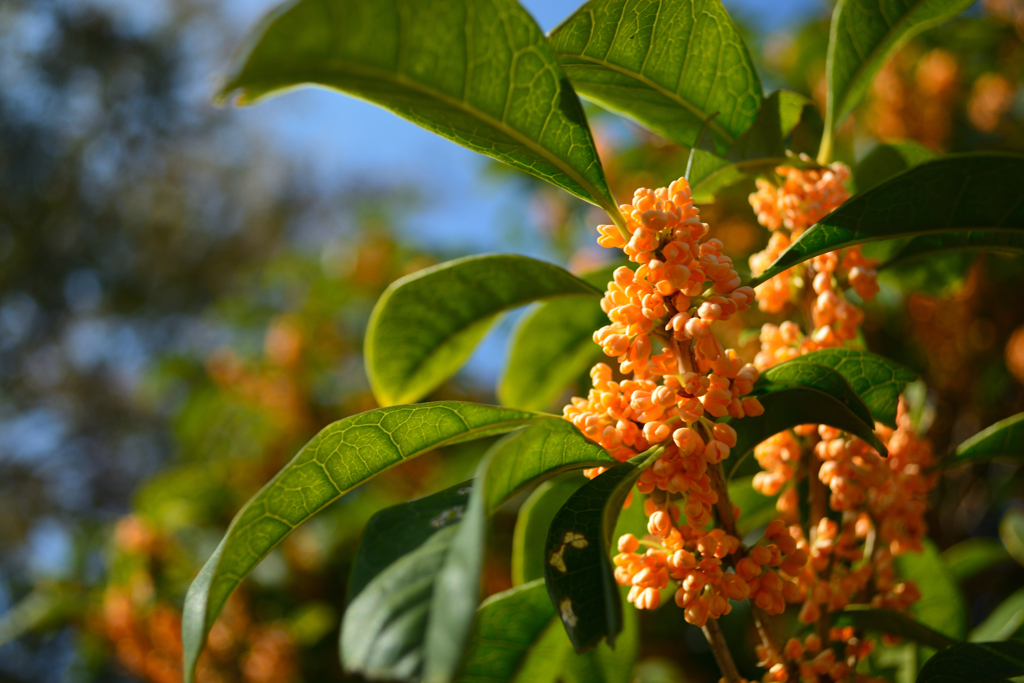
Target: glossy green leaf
point(1011, 532)
point(975, 663)
point(1004, 622)
point(756, 510)
point(532, 523)
point(578, 571)
point(972, 556)
point(801, 372)
point(887, 160)
point(941, 606)
point(339, 458)
point(1003, 439)
point(427, 324)
point(864, 35)
point(668, 65)
point(956, 193)
point(927, 246)
point(395, 531)
point(876, 379)
point(552, 346)
point(893, 623)
point(478, 73)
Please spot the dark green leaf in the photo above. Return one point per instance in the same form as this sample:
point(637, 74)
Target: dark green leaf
point(578, 570)
point(427, 324)
point(801, 372)
point(927, 246)
point(975, 663)
point(975, 555)
point(668, 65)
point(956, 193)
point(478, 73)
point(1011, 532)
point(887, 160)
point(552, 346)
point(532, 525)
point(397, 530)
point(756, 510)
point(877, 380)
point(893, 623)
point(941, 606)
point(1003, 439)
point(339, 458)
point(864, 34)
point(1005, 620)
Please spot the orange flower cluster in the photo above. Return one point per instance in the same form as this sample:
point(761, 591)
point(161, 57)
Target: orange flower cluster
point(814, 663)
point(803, 198)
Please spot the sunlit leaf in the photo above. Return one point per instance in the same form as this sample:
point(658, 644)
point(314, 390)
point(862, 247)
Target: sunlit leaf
point(578, 569)
point(1004, 622)
point(801, 372)
point(893, 623)
point(972, 556)
point(1011, 532)
point(478, 73)
point(941, 606)
point(552, 346)
point(864, 35)
point(957, 193)
point(427, 324)
point(876, 379)
point(975, 663)
point(927, 246)
point(339, 458)
point(1003, 439)
point(668, 65)
point(887, 160)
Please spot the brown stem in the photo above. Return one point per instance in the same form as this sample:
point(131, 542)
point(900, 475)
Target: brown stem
point(818, 495)
point(720, 649)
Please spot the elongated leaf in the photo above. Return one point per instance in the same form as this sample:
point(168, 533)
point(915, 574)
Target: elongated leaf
point(972, 556)
point(1004, 622)
point(807, 373)
point(756, 510)
point(668, 65)
point(786, 408)
point(1011, 532)
point(1003, 439)
point(893, 623)
point(956, 193)
point(927, 246)
point(941, 606)
point(395, 531)
point(578, 570)
point(864, 35)
point(427, 324)
point(975, 663)
point(479, 73)
point(532, 525)
point(876, 379)
point(552, 346)
point(339, 458)
point(887, 160)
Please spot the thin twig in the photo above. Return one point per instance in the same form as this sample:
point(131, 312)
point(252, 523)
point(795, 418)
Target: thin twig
point(720, 649)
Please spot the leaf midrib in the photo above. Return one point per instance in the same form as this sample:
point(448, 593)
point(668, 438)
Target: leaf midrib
point(606, 203)
point(692, 108)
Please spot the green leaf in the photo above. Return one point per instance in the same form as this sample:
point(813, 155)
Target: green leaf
point(893, 623)
point(864, 35)
point(531, 530)
point(478, 73)
point(877, 380)
point(552, 346)
point(1004, 622)
point(972, 556)
point(339, 458)
point(941, 606)
point(668, 65)
point(427, 324)
point(578, 569)
point(927, 246)
point(956, 193)
point(813, 375)
point(975, 663)
point(1011, 532)
point(887, 160)
point(1003, 439)
point(756, 510)
point(394, 531)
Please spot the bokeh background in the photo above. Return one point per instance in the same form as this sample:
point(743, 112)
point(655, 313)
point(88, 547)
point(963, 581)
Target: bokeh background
point(184, 290)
